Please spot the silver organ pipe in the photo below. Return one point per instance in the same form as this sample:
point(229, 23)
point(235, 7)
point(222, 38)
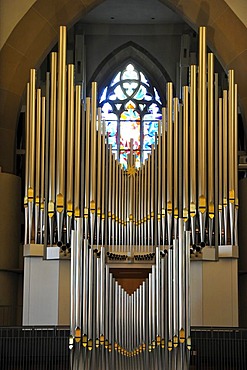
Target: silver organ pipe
point(133, 215)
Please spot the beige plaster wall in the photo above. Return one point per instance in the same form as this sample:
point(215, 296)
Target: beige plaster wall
point(240, 9)
point(11, 12)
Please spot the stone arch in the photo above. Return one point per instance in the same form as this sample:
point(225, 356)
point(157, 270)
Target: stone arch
point(131, 51)
point(226, 35)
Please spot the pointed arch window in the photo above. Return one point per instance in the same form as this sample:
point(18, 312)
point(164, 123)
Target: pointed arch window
point(131, 107)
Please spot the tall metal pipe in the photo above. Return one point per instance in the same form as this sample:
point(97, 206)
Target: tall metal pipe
point(27, 139)
point(30, 191)
point(220, 171)
point(175, 163)
point(236, 163)
point(73, 269)
point(93, 161)
point(77, 169)
point(185, 153)
point(70, 150)
point(79, 301)
point(164, 177)
point(42, 168)
point(225, 163)
point(37, 163)
point(52, 144)
point(202, 202)
point(87, 167)
point(99, 179)
point(231, 152)
point(193, 174)
point(61, 132)
point(210, 145)
point(169, 162)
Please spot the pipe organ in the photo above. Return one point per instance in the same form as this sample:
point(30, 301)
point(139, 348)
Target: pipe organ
point(78, 197)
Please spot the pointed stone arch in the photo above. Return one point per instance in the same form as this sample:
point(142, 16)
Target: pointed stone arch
point(132, 52)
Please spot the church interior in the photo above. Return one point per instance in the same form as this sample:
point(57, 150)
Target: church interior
point(123, 184)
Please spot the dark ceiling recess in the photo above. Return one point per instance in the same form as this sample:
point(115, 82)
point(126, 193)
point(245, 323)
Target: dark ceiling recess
point(132, 12)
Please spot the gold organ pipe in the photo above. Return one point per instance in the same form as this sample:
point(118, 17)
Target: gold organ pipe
point(148, 182)
point(42, 165)
point(159, 166)
point(70, 141)
point(185, 152)
point(152, 164)
point(103, 144)
point(163, 176)
point(175, 161)
point(231, 133)
point(119, 201)
point(37, 147)
point(225, 152)
point(231, 152)
point(131, 196)
point(220, 169)
point(93, 149)
point(211, 135)
point(139, 205)
point(113, 193)
point(220, 157)
point(202, 121)
point(77, 207)
point(192, 140)
point(99, 178)
point(125, 208)
point(116, 196)
point(236, 144)
point(169, 149)
point(52, 145)
point(236, 162)
point(163, 154)
point(120, 194)
point(123, 197)
point(37, 164)
point(152, 182)
point(144, 200)
point(27, 145)
point(61, 120)
point(87, 157)
point(109, 192)
point(32, 136)
point(135, 192)
point(99, 169)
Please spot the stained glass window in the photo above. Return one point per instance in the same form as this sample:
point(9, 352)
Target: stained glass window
point(131, 108)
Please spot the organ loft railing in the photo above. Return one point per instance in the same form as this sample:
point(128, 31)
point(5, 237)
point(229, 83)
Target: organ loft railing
point(79, 198)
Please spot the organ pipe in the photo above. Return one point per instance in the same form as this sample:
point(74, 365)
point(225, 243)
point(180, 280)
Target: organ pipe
point(132, 215)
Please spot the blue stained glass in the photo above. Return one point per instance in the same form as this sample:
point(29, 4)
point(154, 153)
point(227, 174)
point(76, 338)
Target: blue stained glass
point(107, 111)
point(124, 117)
point(141, 93)
point(124, 159)
point(154, 111)
point(130, 73)
point(143, 79)
point(120, 93)
point(116, 79)
point(145, 155)
point(103, 96)
point(130, 87)
point(157, 97)
point(150, 129)
point(111, 129)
